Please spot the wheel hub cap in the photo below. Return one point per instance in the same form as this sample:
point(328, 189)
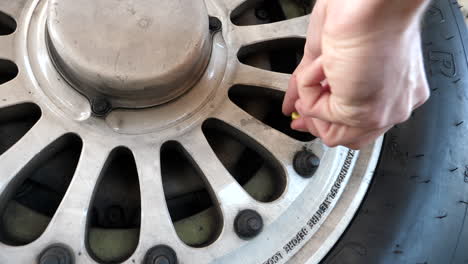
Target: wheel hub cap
point(133, 53)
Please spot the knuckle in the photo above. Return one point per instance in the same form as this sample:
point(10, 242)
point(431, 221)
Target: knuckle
point(404, 115)
point(425, 93)
point(330, 141)
point(361, 116)
point(327, 62)
point(371, 118)
point(307, 110)
point(300, 79)
point(375, 119)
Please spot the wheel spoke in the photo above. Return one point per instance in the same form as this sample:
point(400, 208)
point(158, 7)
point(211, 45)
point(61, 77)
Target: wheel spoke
point(276, 143)
point(12, 93)
point(13, 8)
point(7, 47)
point(19, 156)
point(71, 216)
point(248, 75)
point(231, 5)
point(229, 194)
point(292, 28)
point(155, 219)
point(265, 176)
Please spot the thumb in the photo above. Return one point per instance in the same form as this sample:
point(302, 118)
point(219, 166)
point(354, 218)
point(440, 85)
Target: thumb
point(315, 97)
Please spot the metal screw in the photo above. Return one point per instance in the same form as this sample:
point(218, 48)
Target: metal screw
point(215, 24)
point(248, 224)
point(100, 107)
point(160, 255)
point(56, 254)
point(261, 13)
point(305, 163)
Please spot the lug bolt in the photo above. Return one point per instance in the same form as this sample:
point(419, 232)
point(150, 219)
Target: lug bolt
point(248, 224)
point(100, 107)
point(160, 255)
point(215, 24)
point(56, 254)
point(305, 163)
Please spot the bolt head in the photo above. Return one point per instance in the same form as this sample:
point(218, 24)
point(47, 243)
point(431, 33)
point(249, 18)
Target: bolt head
point(100, 106)
point(248, 224)
point(50, 260)
point(305, 163)
point(161, 260)
point(215, 24)
point(254, 224)
point(56, 254)
point(160, 255)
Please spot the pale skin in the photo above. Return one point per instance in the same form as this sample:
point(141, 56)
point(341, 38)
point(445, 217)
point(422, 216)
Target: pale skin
point(362, 71)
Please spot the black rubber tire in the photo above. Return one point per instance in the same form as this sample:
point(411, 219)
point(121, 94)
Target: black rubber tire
point(415, 211)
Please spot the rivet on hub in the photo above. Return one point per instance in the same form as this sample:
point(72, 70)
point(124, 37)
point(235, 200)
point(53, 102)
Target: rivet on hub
point(100, 107)
point(215, 24)
point(305, 163)
point(160, 255)
point(248, 224)
point(56, 254)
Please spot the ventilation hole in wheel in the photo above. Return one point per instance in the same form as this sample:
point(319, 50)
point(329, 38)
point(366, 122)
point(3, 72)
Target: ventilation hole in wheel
point(15, 122)
point(114, 219)
point(34, 196)
point(8, 71)
point(7, 24)
point(255, 12)
point(281, 55)
point(265, 105)
point(190, 202)
point(259, 173)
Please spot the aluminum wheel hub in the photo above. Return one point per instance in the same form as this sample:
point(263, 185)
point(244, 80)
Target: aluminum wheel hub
point(134, 53)
point(168, 79)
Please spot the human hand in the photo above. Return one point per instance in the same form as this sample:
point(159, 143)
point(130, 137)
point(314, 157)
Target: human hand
point(362, 70)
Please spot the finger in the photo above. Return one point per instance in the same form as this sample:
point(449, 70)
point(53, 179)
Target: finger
point(311, 127)
point(305, 125)
point(312, 50)
point(423, 95)
point(315, 97)
point(291, 97)
point(309, 84)
point(320, 127)
point(299, 125)
point(308, 71)
point(313, 47)
point(292, 94)
point(316, 103)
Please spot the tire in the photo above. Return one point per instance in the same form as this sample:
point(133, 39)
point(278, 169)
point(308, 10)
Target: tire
point(415, 211)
